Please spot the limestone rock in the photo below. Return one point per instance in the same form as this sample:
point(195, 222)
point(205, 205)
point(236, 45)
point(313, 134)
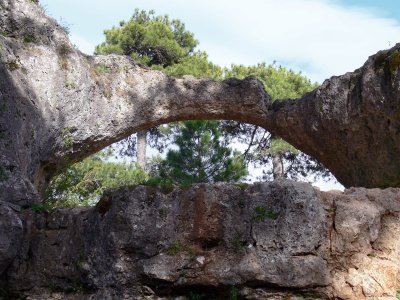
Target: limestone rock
point(11, 232)
point(270, 240)
point(58, 106)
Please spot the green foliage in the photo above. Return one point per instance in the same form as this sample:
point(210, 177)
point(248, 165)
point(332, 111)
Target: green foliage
point(398, 294)
point(81, 261)
point(13, 65)
point(3, 174)
point(242, 185)
point(165, 184)
point(279, 146)
point(29, 38)
point(233, 293)
point(237, 242)
point(64, 50)
point(175, 248)
point(390, 63)
point(196, 65)
point(70, 85)
point(41, 207)
point(149, 39)
point(66, 29)
point(193, 296)
point(84, 182)
point(201, 156)
point(102, 68)
point(261, 213)
point(107, 92)
point(394, 62)
point(279, 82)
point(66, 134)
point(63, 63)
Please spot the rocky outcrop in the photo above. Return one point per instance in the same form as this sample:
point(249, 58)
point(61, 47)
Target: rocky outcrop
point(58, 106)
point(351, 123)
point(267, 241)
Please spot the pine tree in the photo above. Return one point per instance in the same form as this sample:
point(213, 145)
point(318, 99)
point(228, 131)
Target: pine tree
point(280, 83)
point(202, 156)
point(149, 39)
point(160, 43)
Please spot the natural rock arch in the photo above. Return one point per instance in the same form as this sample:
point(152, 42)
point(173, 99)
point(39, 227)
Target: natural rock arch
point(59, 106)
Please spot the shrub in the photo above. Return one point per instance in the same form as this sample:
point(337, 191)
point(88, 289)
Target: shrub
point(262, 212)
point(13, 65)
point(175, 248)
point(29, 38)
point(66, 136)
point(102, 68)
point(40, 208)
point(83, 183)
point(64, 49)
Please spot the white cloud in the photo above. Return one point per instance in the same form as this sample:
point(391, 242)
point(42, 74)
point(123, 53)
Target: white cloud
point(327, 38)
point(319, 37)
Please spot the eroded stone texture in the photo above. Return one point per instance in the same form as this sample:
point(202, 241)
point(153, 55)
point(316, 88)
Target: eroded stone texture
point(11, 233)
point(58, 106)
point(270, 241)
point(351, 123)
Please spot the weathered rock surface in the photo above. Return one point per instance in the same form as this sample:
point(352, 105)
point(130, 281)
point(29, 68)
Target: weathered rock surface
point(58, 106)
point(11, 233)
point(269, 240)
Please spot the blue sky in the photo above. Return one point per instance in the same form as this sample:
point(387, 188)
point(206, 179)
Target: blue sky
point(386, 8)
point(321, 38)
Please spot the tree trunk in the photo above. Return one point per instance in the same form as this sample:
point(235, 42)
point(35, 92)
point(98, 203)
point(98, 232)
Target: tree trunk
point(141, 148)
point(277, 166)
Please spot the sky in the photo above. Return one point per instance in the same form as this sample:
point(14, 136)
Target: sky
point(320, 38)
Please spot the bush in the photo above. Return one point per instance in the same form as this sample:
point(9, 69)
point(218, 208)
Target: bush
point(83, 183)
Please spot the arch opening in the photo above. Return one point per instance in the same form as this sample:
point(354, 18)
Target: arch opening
point(181, 154)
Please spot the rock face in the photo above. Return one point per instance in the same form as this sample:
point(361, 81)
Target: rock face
point(58, 106)
point(280, 239)
point(351, 123)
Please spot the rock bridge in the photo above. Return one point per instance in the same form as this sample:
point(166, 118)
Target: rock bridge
point(58, 106)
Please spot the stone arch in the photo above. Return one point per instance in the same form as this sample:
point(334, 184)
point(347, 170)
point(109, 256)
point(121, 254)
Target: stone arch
point(60, 106)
